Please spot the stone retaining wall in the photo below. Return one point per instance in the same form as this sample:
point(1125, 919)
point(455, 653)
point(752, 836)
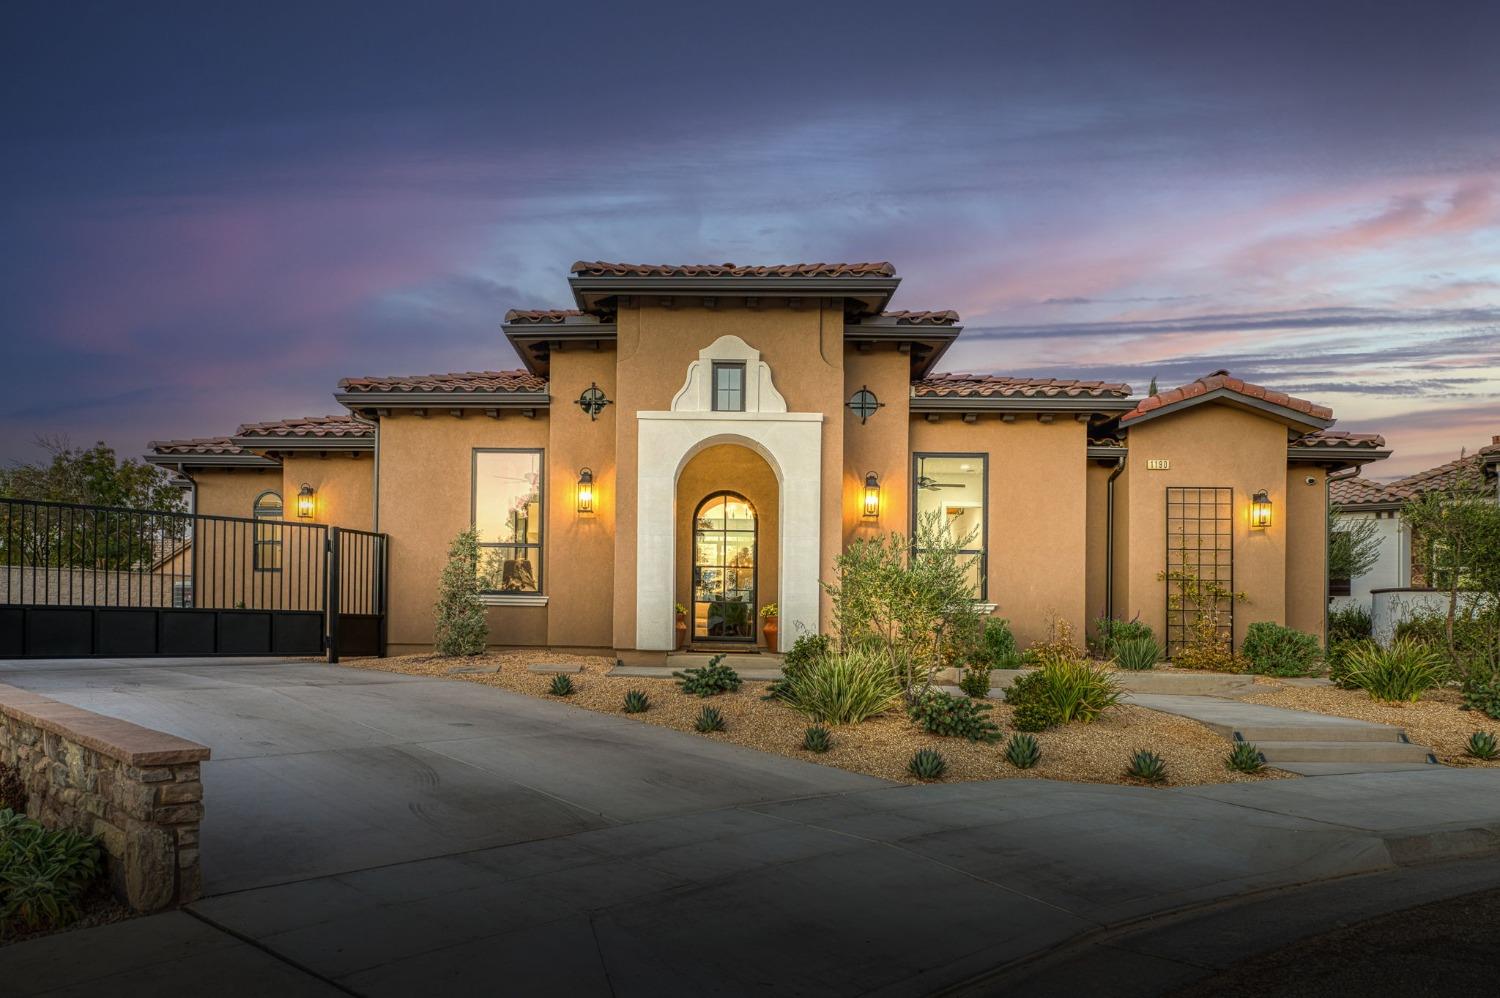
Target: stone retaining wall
point(136, 789)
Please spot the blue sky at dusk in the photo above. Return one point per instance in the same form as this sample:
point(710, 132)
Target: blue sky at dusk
point(214, 211)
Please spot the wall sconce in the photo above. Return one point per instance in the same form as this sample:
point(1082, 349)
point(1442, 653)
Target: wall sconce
point(1260, 510)
point(870, 508)
point(586, 491)
point(307, 502)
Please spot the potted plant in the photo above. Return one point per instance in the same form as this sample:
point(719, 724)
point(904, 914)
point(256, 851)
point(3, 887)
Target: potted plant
point(681, 626)
point(768, 616)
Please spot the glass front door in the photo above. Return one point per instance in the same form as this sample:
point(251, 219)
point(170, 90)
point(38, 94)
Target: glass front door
point(724, 569)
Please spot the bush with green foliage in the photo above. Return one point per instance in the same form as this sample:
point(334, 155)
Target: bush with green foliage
point(975, 681)
point(1402, 672)
point(637, 702)
point(807, 649)
point(1136, 654)
point(1349, 623)
point(1031, 706)
point(1023, 751)
point(709, 680)
point(1338, 660)
point(1061, 691)
point(997, 646)
point(940, 713)
point(1059, 644)
point(561, 685)
point(709, 719)
point(1274, 650)
point(817, 739)
point(1245, 758)
point(845, 688)
point(459, 624)
point(1111, 631)
point(1483, 694)
point(12, 789)
point(43, 874)
point(1206, 607)
point(927, 764)
point(1483, 745)
point(1146, 766)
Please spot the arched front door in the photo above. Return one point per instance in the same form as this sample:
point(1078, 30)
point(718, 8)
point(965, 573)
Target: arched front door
point(724, 569)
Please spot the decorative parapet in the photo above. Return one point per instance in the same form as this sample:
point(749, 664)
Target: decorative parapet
point(137, 790)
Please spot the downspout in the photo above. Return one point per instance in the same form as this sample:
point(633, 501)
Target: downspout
point(1109, 539)
point(1328, 481)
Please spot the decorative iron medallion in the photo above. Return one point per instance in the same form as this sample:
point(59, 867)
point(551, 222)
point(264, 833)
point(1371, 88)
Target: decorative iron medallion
point(863, 403)
point(592, 401)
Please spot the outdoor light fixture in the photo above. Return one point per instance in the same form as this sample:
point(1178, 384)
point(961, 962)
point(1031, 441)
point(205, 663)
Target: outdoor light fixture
point(871, 506)
point(307, 502)
point(585, 491)
point(1260, 509)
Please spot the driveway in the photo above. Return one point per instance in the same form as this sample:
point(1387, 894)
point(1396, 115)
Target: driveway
point(380, 834)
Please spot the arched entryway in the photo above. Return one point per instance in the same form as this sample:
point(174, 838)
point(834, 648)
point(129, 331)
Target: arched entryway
point(723, 570)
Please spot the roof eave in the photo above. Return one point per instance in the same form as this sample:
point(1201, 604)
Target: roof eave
point(928, 343)
point(365, 401)
point(1336, 458)
point(305, 443)
point(526, 337)
point(182, 461)
point(875, 292)
point(1018, 403)
point(1292, 417)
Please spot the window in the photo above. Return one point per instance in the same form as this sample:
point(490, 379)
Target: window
point(508, 519)
point(863, 403)
point(729, 387)
point(266, 546)
point(954, 488)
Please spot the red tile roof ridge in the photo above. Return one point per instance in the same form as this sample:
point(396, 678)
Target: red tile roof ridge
point(1224, 380)
point(601, 268)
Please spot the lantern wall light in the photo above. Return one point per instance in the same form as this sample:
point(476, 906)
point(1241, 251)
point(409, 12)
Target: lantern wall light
point(1260, 510)
point(586, 491)
point(870, 507)
point(307, 502)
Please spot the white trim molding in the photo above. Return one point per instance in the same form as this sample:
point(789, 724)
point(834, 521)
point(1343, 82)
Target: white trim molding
point(697, 392)
point(512, 599)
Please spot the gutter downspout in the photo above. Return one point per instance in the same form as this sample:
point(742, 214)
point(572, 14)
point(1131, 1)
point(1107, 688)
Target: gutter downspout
point(1109, 539)
point(1328, 481)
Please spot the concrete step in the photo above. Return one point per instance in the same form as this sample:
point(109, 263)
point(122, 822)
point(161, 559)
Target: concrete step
point(1349, 768)
point(1277, 753)
point(1314, 732)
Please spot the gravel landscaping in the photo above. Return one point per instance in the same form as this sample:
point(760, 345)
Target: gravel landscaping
point(1084, 753)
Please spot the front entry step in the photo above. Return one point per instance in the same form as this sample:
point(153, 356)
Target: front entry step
point(1279, 752)
point(761, 667)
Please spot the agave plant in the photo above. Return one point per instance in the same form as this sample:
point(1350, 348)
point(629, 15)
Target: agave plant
point(1483, 745)
point(1245, 758)
point(817, 739)
point(709, 680)
point(927, 764)
point(637, 702)
point(709, 719)
point(1023, 751)
point(562, 686)
point(1147, 766)
point(1136, 654)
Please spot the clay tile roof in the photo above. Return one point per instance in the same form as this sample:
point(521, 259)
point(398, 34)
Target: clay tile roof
point(464, 381)
point(944, 317)
point(1106, 442)
point(1226, 381)
point(989, 385)
point(309, 426)
point(1352, 491)
point(599, 268)
point(197, 445)
point(1339, 438)
point(541, 315)
point(1357, 491)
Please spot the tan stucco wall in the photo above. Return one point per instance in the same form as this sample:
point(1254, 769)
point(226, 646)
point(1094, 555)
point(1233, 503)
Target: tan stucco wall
point(1218, 446)
point(1037, 513)
point(232, 491)
point(426, 481)
point(344, 487)
point(1307, 555)
point(730, 468)
point(881, 444)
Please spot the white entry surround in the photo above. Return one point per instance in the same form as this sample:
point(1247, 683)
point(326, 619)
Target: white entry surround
point(791, 443)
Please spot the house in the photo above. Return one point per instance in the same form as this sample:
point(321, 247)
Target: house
point(714, 436)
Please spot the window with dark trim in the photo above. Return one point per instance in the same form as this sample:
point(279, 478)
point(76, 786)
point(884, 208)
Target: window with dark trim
point(956, 489)
point(265, 548)
point(507, 516)
point(729, 386)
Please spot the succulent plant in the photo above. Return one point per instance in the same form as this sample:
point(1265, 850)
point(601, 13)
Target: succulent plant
point(637, 702)
point(709, 680)
point(817, 739)
point(562, 685)
point(1482, 745)
point(1023, 751)
point(927, 764)
point(1245, 758)
point(1147, 766)
point(709, 719)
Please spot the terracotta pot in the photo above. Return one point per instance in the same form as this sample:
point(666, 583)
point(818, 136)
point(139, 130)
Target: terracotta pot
point(769, 630)
point(681, 631)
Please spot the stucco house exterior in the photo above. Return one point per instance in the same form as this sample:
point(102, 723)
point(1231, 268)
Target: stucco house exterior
point(714, 436)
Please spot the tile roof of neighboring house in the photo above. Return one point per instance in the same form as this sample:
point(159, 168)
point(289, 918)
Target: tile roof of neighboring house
point(1359, 491)
point(989, 385)
point(1339, 438)
point(1356, 491)
point(942, 317)
point(599, 268)
point(197, 445)
point(1224, 380)
point(541, 315)
point(464, 381)
point(309, 426)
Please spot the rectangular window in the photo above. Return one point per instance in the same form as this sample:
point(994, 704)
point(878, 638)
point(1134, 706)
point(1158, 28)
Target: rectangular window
point(508, 520)
point(954, 488)
point(729, 387)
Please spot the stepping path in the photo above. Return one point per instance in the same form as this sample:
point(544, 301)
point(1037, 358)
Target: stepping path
point(752, 667)
point(1300, 741)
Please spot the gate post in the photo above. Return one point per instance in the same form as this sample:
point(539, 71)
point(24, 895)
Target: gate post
point(331, 600)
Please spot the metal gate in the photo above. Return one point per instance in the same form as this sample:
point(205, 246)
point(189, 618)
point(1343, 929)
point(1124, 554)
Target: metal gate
point(79, 581)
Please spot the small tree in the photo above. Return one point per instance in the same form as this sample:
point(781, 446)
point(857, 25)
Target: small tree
point(1353, 544)
point(1206, 644)
point(460, 626)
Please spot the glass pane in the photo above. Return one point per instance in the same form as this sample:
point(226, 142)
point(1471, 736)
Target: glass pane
point(738, 514)
point(711, 516)
point(952, 488)
point(509, 569)
point(739, 548)
point(710, 583)
point(740, 583)
point(507, 497)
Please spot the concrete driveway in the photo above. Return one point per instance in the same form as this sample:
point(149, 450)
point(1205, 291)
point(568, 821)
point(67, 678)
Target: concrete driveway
point(379, 834)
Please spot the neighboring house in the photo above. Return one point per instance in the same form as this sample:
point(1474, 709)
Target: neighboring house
point(715, 436)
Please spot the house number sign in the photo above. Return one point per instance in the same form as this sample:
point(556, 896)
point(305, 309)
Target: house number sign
point(1158, 464)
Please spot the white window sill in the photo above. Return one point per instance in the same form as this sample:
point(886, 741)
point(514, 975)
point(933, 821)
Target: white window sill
point(512, 599)
point(986, 608)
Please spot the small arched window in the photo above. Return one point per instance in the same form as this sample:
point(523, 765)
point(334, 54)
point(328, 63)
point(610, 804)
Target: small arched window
point(863, 403)
point(266, 546)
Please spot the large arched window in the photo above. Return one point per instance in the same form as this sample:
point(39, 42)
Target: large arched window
point(266, 546)
point(724, 568)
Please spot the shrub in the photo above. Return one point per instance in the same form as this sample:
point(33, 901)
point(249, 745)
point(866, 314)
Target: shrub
point(1274, 650)
point(709, 680)
point(927, 764)
point(1245, 758)
point(1404, 671)
point(12, 790)
point(1482, 745)
point(997, 646)
point(940, 713)
point(1078, 690)
point(1137, 654)
point(43, 873)
point(844, 689)
point(637, 702)
point(975, 682)
point(1022, 751)
point(1112, 631)
point(1483, 694)
point(561, 685)
point(1349, 623)
point(1058, 644)
point(817, 739)
point(709, 719)
point(807, 649)
point(460, 627)
point(1146, 766)
point(1338, 660)
point(1031, 705)
point(1202, 603)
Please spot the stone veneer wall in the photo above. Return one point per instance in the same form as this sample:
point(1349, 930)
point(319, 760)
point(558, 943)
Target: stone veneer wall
point(136, 789)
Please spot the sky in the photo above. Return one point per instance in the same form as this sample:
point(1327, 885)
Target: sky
point(212, 212)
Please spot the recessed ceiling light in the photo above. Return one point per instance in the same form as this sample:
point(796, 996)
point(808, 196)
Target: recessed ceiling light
point(966, 467)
